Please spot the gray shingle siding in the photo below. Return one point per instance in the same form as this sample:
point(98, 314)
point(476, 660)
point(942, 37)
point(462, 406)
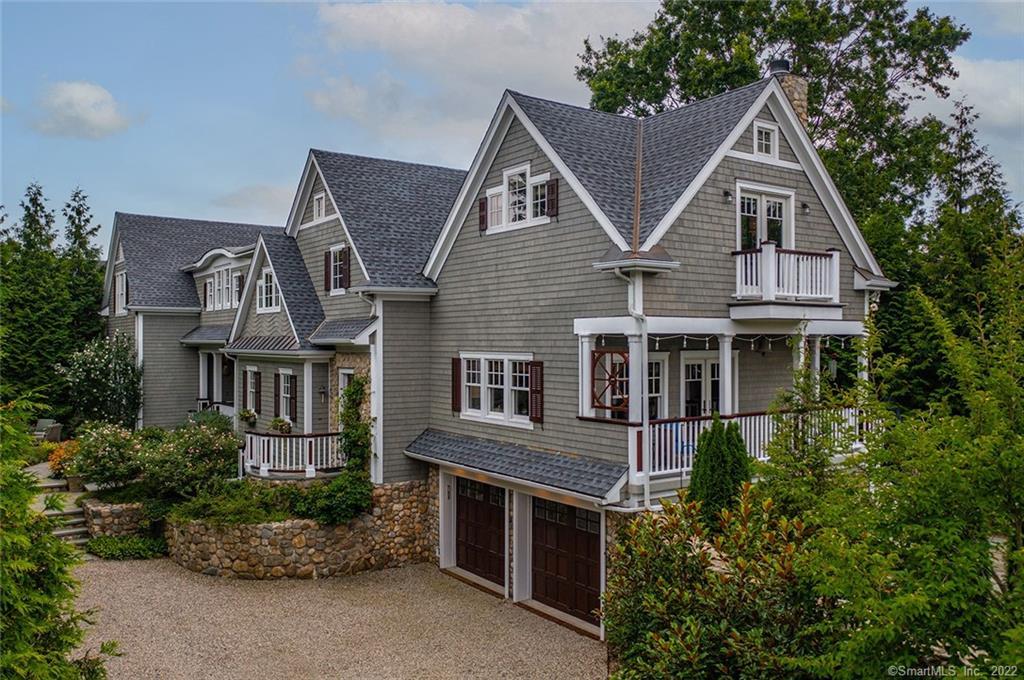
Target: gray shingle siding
point(313, 243)
point(406, 356)
point(271, 366)
point(170, 370)
point(519, 292)
point(704, 236)
point(267, 323)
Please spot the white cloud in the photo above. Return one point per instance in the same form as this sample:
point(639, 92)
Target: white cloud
point(80, 109)
point(995, 88)
point(444, 66)
point(5, 105)
point(1005, 17)
point(259, 203)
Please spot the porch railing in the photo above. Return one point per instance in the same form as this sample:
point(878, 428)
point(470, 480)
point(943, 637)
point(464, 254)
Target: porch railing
point(268, 452)
point(771, 273)
point(673, 441)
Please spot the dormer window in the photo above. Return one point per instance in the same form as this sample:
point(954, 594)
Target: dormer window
point(120, 293)
point(522, 200)
point(319, 205)
point(766, 140)
point(268, 298)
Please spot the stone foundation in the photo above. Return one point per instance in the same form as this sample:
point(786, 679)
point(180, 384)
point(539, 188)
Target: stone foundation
point(113, 519)
point(395, 532)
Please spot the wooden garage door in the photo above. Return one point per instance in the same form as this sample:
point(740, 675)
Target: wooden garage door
point(480, 529)
point(567, 558)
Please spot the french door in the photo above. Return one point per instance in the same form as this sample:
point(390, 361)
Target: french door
point(701, 388)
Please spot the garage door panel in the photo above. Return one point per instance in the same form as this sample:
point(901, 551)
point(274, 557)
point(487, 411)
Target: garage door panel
point(566, 558)
point(480, 529)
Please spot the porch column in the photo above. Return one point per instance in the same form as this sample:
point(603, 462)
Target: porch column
point(636, 382)
point(218, 377)
point(203, 387)
point(307, 413)
point(586, 407)
point(816, 361)
point(862, 359)
point(725, 369)
point(799, 351)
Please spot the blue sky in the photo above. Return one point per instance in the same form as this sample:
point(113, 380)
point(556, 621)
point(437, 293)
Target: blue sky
point(207, 110)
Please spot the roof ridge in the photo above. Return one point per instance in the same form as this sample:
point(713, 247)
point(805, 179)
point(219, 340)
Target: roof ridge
point(194, 219)
point(620, 116)
point(712, 97)
point(387, 160)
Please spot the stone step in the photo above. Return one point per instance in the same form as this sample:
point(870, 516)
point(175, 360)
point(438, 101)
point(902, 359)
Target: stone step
point(69, 512)
point(53, 484)
point(69, 533)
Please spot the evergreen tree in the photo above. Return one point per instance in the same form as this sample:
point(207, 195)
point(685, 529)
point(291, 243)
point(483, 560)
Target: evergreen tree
point(83, 270)
point(34, 300)
point(720, 466)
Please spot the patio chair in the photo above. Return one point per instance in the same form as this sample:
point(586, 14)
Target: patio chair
point(52, 433)
point(39, 431)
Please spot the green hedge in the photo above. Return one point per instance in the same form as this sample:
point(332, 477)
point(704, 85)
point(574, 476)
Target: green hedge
point(126, 547)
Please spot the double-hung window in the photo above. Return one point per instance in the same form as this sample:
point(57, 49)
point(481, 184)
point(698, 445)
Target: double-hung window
point(522, 200)
point(211, 292)
point(121, 293)
point(249, 398)
point(267, 297)
point(496, 388)
point(766, 139)
point(764, 214)
point(319, 205)
point(337, 275)
point(286, 393)
point(236, 289)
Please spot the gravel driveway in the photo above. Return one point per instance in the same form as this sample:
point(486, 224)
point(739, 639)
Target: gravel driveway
point(413, 622)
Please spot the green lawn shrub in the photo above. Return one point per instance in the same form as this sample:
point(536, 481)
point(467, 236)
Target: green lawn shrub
point(127, 547)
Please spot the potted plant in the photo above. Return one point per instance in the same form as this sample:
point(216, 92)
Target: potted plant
point(247, 416)
point(281, 425)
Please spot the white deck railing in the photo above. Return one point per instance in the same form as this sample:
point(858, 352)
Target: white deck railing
point(673, 442)
point(268, 452)
point(770, 273)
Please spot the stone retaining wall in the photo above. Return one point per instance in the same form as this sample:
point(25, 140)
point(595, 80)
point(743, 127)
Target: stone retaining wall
point(113, 519)
point(395, 532)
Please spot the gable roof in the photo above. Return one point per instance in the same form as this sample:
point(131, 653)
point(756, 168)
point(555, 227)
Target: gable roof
point(600, 149)
point(391, 210)
point(156, 248)
point(298, 295)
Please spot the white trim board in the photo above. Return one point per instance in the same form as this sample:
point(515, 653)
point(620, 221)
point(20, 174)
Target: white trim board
point(626, 325)
point(507, 111)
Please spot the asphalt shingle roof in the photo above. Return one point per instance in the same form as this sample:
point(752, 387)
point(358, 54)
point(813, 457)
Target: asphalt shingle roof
point(340, 329)
point(207, 335)
point(600, 149)
point(393, 211)
point(579, 474)
point(155, 249)
point(296, 287)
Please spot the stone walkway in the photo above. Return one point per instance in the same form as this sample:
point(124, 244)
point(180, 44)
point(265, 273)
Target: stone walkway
point(413, 622)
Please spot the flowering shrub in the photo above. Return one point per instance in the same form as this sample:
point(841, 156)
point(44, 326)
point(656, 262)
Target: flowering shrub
point(192, 458)
point(107, 455)
point(104, 381)
point(61, 457)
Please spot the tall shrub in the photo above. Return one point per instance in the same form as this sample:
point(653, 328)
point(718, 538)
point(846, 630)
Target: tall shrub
point(40, 627)
point(104, 382)
point(719, 468)
point(190, 460)
point(108, 455)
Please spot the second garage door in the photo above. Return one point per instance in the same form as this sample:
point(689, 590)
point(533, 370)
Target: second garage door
point(480, 529)
point(567, 558)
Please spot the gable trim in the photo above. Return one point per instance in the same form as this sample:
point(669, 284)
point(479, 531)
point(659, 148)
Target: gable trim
point(250, 286)
point(293, 226)
point(810, 163)
point(753, 158)
point(112, 262)
point(507, 111)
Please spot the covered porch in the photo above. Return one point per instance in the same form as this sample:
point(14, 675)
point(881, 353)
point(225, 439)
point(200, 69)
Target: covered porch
point(692, 368)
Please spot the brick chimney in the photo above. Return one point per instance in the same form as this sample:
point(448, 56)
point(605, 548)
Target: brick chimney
point(793, 85)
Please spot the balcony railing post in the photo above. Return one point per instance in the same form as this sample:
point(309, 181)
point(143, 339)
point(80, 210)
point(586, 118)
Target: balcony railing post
point(310, 467)
point(834, 274)
point(768, 270)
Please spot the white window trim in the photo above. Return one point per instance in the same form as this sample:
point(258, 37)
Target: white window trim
point(481, 415)
point(660, 358)
point(236, 277)
point(260, 284)
point(530, 221)
point(321, 198)
point(334, 249)
point(121, 299)
point(350, 372)
point(283, 406)
point(789, 218)
point(774, 129)
point(686, 355)
point(250, 389)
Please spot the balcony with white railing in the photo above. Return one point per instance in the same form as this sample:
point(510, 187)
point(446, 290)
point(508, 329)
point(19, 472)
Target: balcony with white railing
point(673, 441)
point(772, 275)
point(269, 454)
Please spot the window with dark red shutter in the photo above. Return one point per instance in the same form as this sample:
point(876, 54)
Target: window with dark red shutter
point(258, 406)
point(456, 384)
point(293, 401)
point(277, 395)
point(552, 194)
point(245, 390)
point(536, 369)
point(346, 278)
point(482, 208)
point(327, 271)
